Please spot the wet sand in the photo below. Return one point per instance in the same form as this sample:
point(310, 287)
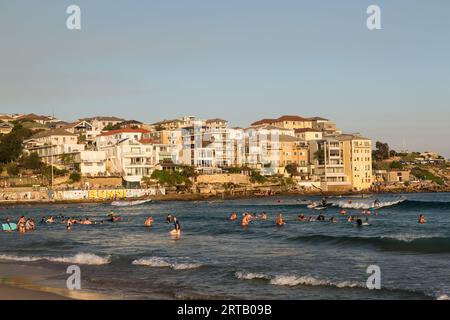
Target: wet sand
point(15, 293)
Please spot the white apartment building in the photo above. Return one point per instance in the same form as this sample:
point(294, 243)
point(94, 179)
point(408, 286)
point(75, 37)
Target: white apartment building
point(91, 163)
point(52, 145)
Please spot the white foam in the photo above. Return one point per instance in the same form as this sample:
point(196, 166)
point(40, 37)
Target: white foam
point(158, 262)
point(288, 280)
point(443, 297)
point(79, 258)
point(292, 280)
point(250, 275)
point(368, 205)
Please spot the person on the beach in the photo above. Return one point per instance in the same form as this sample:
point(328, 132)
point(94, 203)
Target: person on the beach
point(148, 222)
point(169, 218)
point(422, 219)
point(233, 216)
point(280, 221)
point(263, 216)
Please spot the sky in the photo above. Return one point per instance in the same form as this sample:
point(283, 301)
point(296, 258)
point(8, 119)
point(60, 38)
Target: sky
point(241, 60)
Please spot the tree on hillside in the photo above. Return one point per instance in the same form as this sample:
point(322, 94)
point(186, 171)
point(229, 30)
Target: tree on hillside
point(31, 161)
point(110, 127)
point(292, 169)
point(11, 144)
point(381, 152)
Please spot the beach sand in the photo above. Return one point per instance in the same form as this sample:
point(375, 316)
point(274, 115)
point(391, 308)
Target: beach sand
point(14, 293)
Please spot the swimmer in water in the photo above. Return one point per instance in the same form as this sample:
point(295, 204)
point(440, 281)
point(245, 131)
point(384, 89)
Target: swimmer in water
point(349, 219)
point(148, 222)
point(245, 220)
point(359, 222)
point(280, 221)
point(87, 221)
point(333, 220)
point(422, 219)
point(343, 212)
point(233, 216)
point(263, 216)
point(321, 217)
point(301, 217)
point(169, 218)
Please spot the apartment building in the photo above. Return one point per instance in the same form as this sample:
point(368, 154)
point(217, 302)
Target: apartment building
point(52, 145)
point(308, 134)
point(327, 164)
point(357, 153)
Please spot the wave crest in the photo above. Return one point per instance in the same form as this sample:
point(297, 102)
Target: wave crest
point(79, 258)
point(159, 262)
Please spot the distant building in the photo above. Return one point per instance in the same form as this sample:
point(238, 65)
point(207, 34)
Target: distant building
point(5, 127)
point(6, 118)
point(52, 145)
point(357, 153)
point(308, 134)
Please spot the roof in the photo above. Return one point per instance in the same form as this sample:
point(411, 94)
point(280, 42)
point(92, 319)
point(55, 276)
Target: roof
point(291, 118)
point(286, 138)
point(317, 119)
point(6, 125)
point(215, 120)
point(350, 137)
point(282, 118)
point(148, 141)
point(6, 117)
point(263, 121)
point(112, 132)
point(54, 132)
point(306, 130)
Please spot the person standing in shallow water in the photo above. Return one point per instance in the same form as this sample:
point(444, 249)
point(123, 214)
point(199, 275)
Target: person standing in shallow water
point(280, 221)
point(169, 218)
point(422, 219)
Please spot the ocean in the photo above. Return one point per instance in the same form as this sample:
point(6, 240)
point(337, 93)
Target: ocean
point(215, 258)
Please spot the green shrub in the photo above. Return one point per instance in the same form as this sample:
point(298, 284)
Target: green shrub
point(75, 177)
point(423, 174)
point(12, 169)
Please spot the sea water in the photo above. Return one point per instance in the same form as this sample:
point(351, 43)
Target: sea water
point(215, 258)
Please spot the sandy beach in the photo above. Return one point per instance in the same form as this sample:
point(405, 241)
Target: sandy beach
point(15, 293)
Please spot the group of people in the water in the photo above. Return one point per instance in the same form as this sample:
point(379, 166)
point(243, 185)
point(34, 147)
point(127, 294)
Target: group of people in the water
point(23, 225)
point(249, 217)
point(169, 219)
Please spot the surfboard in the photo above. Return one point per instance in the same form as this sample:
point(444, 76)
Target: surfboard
point(9, 227)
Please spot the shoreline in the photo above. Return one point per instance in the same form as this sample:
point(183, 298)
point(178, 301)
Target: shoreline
point(8, 292)
point(209, 197)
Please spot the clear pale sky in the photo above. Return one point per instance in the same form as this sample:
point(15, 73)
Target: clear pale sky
point(241, 60)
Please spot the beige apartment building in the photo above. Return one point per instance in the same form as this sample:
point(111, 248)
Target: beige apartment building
point(357, 154)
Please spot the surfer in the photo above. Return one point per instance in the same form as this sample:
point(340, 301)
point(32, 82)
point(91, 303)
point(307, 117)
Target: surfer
point(148, 222)
point(422, 219)
point(280, 221)
point(177, 228)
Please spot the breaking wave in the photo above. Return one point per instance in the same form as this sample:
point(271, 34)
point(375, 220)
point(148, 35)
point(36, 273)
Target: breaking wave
point(292, 280)
point(79, 258)
point(159, 262)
